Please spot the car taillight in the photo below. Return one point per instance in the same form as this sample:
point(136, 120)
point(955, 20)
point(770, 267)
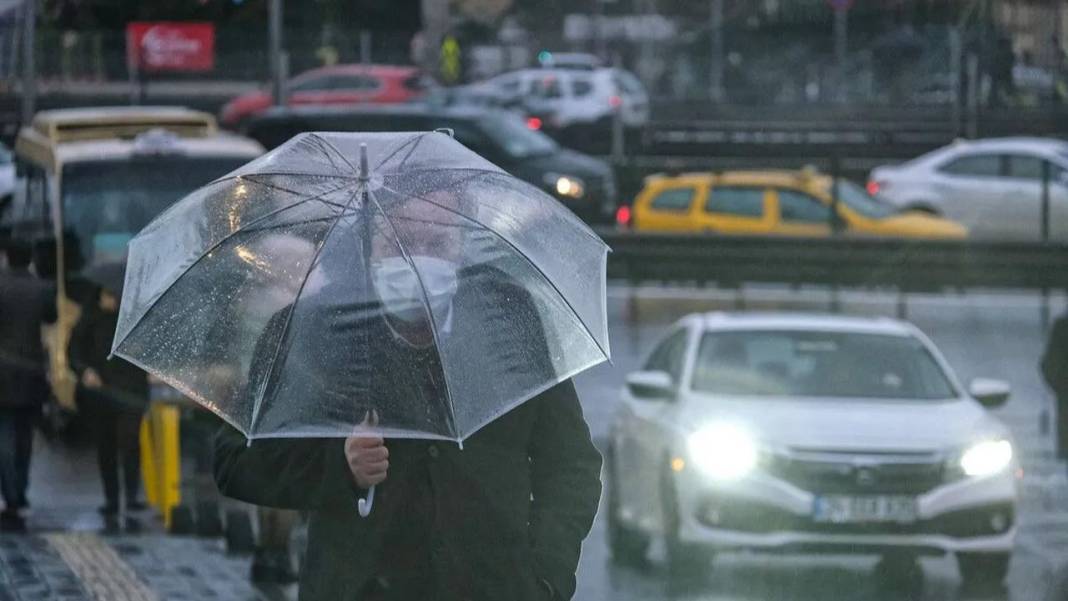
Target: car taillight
point(873, 187)
point(623, 216)
point(533, 123)
point(615, 101)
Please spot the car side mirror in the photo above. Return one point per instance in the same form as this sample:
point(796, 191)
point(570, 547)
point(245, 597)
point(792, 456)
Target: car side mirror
point(989, 393)
point(651, 385)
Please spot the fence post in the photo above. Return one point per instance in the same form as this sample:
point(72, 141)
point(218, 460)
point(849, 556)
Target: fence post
point(29, 69)
point(1045, 200)
point(365, 47)
point(836, 175)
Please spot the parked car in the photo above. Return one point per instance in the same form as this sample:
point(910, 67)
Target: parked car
point(584, 184)
point(577, 105)
point(767, 432)
point(993, 186)
point(794, 203)
point(337, 84)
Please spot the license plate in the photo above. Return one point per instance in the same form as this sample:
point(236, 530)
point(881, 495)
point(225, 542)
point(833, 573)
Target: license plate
point(834, 509)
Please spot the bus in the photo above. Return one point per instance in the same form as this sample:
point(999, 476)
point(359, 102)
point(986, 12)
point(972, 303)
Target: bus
point(91, 178)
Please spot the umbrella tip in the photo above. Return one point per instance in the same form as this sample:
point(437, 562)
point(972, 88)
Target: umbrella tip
point(365, 171)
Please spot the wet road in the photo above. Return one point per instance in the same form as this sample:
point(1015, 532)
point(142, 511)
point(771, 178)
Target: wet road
point(991, 335)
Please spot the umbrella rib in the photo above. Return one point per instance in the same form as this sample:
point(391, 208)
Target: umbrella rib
point(289, 318)
point(249, 176)
point(426, 304)
point(389, 156)
point(518, 252)
point(478, 171)
point(296, 193)
point(209, 250)
point(330, 146)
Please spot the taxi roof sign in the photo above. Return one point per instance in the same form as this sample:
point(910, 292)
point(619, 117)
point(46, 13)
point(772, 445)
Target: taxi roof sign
point(70, 125)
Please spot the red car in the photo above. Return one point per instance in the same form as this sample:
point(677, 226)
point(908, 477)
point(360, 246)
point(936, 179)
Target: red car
point(337, 84)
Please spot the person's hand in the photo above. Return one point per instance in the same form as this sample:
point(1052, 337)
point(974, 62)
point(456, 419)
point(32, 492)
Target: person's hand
point(367, 456)
point(91, 379)
point(368, 459)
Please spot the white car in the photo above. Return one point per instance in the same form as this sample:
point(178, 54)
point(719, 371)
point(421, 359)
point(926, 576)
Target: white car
point(568, 96)
point(992, 186)
point(7, 177)
point(809, 433)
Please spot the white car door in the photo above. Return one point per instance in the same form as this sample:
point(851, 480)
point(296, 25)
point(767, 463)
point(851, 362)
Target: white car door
point(971, 189)
point(1022, 202)
point(640, 442)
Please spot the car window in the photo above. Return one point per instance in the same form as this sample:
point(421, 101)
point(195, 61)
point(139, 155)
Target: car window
point(311, 84)
point(581, 86)
point(1021, 166)
point(818, 364)
point(974, 165)
point(799, 207)
point(736, 200)
point(353, 82)
point(674, 199)
point(547, 87)
point(669, 356)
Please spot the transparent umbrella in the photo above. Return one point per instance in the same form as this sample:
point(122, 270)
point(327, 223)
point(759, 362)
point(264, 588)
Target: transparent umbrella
point(390, 284)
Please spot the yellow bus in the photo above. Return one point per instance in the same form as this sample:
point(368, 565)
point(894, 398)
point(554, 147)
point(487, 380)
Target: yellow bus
point(90, 179)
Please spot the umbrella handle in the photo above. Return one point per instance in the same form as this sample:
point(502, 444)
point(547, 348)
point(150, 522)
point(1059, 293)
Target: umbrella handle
point(364, 505)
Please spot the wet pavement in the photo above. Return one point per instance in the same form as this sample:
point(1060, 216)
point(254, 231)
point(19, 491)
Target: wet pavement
point(73, 556)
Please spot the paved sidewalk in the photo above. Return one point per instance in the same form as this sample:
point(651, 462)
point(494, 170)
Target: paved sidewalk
point(71, 553)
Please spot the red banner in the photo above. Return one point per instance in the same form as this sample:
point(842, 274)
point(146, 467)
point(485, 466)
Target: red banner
point(170, 46)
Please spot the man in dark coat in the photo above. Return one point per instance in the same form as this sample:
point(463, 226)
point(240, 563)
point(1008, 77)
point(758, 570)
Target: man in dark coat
point(114, 394)
point(1055, 369)
point(26, 304)
point(502, 518)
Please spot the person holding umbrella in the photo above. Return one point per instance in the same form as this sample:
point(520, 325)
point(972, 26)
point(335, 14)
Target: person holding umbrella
point(413, 393)
point(113, 393)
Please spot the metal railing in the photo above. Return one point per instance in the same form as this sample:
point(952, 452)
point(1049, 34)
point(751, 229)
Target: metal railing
point(905, 265)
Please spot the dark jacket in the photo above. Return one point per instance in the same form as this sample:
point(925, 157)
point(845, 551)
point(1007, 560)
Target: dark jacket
point(125, 385)
point(487, 522)
point(26, 304)
point(1055, 370)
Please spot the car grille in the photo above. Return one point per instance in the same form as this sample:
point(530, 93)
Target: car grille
point(859, 473)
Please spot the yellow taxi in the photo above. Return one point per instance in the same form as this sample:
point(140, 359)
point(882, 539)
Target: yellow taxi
point(788, 203)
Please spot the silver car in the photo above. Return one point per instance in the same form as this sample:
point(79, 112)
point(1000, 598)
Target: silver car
point(992, 186)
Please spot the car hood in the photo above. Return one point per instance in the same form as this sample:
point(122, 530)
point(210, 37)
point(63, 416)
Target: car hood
point(849, 424)
point(564, 162)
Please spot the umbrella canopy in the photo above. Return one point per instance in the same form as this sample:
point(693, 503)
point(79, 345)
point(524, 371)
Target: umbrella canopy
point(305, 292)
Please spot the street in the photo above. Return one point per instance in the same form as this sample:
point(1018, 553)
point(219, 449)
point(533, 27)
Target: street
point(998, 335)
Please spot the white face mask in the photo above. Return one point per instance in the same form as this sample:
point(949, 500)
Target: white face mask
point(399, 290)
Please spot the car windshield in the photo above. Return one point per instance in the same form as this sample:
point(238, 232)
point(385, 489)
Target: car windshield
point(818, 364)
point(106, 203)
point(859, 200)
point(516, 138)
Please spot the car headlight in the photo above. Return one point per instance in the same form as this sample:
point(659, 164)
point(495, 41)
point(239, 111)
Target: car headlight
point(722, 451)
point(986, 458)
point(566, 185)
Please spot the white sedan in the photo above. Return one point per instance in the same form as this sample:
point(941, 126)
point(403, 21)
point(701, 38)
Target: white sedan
point(993, 186)
point(809, 433)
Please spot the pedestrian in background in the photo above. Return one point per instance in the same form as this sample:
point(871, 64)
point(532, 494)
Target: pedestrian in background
point(26, 304)
point(113, 394)
point(1055, 369)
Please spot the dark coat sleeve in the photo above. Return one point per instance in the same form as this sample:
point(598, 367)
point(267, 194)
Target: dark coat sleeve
point(288, 473)
point(566, 483)
point(81, 343)
point(1055, 359)
point(297, 473)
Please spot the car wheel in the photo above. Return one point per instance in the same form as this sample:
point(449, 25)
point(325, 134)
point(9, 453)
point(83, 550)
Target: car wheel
point(983, 568)
point(684, 560)
point(628, 545)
